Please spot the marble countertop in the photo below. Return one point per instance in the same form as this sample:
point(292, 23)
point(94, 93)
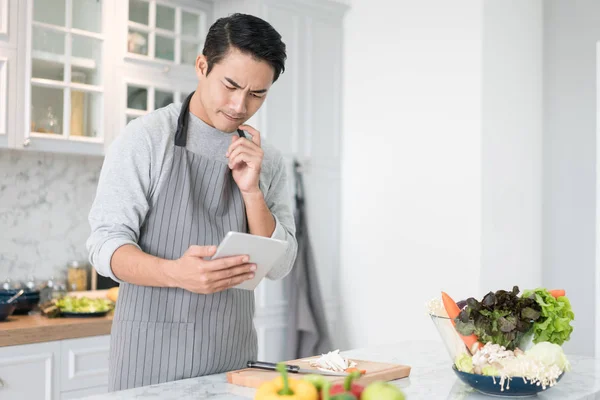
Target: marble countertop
point(431, 378)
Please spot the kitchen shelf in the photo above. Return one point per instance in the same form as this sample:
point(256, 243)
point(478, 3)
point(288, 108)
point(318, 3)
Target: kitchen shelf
point(80, 62)
point(135, 113)
point(60, 136)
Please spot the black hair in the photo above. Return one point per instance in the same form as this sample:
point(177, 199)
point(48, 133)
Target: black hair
point(250, 35)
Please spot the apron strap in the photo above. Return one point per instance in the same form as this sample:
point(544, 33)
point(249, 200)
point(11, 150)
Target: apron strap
point(182, 123)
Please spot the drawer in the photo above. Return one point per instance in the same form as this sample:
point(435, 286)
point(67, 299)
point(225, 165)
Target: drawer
point(84, 363)
point(78, 394)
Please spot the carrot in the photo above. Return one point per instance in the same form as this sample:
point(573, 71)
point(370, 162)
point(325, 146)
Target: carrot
point(556, 293)
point(354, 369)
point(450, 306)
point(453, 311)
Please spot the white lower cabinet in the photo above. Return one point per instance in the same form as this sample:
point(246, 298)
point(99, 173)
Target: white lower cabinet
point(66, 369)
point(29, 371)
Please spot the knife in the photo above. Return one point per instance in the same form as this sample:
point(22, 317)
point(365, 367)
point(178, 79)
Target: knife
point(292, 368)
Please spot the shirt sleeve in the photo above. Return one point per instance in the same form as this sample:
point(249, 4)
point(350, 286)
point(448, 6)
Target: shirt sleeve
point(278, 201)
point(121, 201)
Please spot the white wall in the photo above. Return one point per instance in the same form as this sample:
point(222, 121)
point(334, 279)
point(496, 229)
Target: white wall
point(442, 159)
point(411, 170)
point(512, 144)
point(571, 32)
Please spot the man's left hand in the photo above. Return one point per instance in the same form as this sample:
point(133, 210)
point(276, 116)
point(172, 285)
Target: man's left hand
point(245, 160)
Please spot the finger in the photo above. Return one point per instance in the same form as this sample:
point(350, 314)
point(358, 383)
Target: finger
point(235, 143)
point(244, 157)
point(242, 143)
point(201, 251)
point(254, 152)
point(225, 262)
point(231, 282)
point(255, 134)
point(222, 274)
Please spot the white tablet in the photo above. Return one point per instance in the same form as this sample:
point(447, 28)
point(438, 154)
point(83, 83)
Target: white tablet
point(264, 252)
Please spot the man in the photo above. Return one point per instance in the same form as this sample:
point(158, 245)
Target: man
point(172, 185)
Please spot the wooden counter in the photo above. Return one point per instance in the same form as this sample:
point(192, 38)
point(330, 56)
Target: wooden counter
point(25, 329)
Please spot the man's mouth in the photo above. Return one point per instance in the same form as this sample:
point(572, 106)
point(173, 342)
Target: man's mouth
point(229, 117)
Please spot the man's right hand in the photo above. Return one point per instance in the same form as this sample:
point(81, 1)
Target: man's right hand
point(193, 273)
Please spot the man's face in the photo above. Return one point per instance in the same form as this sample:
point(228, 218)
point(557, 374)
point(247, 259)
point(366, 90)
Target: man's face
point(234, 89)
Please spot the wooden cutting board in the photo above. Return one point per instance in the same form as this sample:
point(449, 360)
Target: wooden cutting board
point(376, 371)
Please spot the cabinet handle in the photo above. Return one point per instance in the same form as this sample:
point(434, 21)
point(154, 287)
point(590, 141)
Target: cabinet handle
point(1, 383)
point(27, 142)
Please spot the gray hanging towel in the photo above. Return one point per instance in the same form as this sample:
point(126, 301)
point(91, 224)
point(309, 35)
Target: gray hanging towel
point(307, 333)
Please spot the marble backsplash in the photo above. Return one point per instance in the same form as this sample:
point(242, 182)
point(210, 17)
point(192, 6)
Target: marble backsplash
point(45, 199)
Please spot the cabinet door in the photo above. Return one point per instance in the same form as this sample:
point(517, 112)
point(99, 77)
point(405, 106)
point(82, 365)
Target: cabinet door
point(8, 93)
point(84, 363)
point(8, 23)
point(65, 74)
point(29, 371)
point(165, 33)
point(141, 96)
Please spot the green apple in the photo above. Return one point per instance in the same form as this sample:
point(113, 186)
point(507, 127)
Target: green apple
point(382, 391)
point(318, 381)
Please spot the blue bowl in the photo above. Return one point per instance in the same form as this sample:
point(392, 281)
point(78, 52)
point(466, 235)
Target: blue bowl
point(491, 385)
point(6, 310)
point(25, 303)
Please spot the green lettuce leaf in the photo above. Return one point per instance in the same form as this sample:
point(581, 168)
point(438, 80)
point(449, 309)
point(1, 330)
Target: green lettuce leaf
point(554, 324)
point(490, 370)
point(464, 363)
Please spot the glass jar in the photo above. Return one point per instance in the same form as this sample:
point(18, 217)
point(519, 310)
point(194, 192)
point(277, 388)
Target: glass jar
point(60, 290)
point(7, 285)
point(30, 284)
point(77, 105)
point(77, 276)
point(49, 124)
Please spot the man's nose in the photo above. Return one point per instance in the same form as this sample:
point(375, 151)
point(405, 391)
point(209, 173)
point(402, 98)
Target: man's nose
point(238, 102)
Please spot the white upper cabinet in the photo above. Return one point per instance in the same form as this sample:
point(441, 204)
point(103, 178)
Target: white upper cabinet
point(8, 23)
point(80, 80)
point(159, 43)
point(8, 70)
point(8, 74)
point(64, 63)
point(165, 33)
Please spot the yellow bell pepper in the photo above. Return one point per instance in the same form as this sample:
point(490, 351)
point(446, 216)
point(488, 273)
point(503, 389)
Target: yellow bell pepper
point(286, 388)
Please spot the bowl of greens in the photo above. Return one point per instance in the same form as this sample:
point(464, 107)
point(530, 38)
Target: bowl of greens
point(508, 343)
point(74, 306)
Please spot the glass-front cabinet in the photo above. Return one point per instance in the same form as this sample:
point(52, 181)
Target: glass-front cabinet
point(165, 32)
point(67, 84)
point(8, 70)
point(164, 39)
point(143, 97)
point(76, 55)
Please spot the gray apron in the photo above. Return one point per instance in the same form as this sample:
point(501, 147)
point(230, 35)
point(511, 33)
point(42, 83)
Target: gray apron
point(166, 334)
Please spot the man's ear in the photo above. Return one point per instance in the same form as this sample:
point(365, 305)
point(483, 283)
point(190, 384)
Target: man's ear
point(201, 66)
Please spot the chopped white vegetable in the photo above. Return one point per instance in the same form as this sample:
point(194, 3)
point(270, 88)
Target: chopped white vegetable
point(332, 361)
point(509, 364)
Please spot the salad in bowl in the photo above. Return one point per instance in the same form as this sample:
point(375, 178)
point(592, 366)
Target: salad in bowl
point(508, 343)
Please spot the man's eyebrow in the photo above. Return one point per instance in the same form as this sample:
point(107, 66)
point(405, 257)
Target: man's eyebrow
point(234, 84)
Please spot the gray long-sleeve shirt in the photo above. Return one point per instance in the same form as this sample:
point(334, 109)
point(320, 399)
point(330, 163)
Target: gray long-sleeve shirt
point(135, 170)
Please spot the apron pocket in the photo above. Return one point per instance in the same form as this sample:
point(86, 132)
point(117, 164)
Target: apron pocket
point(147, 353)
